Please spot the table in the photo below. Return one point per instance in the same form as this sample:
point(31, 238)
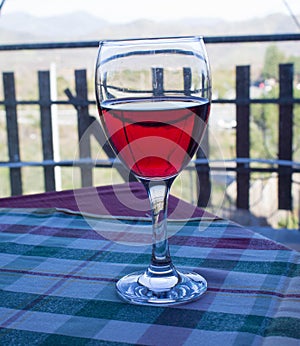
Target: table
point(61, 257)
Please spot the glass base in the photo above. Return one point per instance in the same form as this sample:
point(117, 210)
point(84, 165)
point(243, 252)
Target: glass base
point(139, 288)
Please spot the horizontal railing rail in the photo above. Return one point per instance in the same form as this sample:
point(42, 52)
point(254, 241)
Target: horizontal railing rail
point(113, 162)
point(207, 40)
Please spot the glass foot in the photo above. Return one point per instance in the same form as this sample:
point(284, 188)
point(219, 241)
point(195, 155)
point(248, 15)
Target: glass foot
point(139, 288)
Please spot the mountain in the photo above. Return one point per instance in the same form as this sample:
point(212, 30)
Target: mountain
point(81, 26)
point(24, 28)
point(69, 26)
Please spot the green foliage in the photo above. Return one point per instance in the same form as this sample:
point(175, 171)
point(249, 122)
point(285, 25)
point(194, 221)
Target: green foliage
point(291, 221)
point(222, 81)
point(62, 84)
point(265, 117)
point(264, 131)
point(264, 128)
point(273, 57)
point(295, 60)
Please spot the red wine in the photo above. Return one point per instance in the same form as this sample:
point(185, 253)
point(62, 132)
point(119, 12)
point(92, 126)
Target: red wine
point(155, 138)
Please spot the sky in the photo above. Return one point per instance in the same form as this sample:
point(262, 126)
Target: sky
point(118, 11)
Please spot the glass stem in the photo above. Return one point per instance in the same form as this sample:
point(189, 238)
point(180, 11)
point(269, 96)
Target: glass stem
point(161, 263)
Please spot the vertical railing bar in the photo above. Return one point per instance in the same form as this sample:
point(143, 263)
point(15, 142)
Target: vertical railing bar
point(243, 134)
point(46, 127)
point(285, 141)
point(158, 81)
point(83, 120)
point(12, 131)
point(187, 80)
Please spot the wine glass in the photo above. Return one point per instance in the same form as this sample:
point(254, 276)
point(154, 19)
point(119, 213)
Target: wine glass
point(153, 97)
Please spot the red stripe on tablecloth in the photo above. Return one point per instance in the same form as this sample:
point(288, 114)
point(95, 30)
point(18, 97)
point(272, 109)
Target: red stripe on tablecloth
point(206, 242)
point(88, 278)
point(62, 276)
point(254, 292)
point(228, 243)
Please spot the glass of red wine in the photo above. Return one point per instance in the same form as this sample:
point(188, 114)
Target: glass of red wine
point(153, 97)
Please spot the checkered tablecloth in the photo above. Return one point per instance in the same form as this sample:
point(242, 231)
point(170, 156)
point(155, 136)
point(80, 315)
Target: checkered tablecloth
point(58, 273)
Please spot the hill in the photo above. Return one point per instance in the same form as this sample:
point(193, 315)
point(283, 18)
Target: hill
point(21, 27)
point(81, 26)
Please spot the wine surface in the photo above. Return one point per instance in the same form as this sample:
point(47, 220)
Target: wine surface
point(155, 138)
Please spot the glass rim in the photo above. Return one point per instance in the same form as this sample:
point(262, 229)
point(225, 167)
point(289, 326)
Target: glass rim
point(149, 40)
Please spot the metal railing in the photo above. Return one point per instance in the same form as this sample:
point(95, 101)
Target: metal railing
point(284, 166)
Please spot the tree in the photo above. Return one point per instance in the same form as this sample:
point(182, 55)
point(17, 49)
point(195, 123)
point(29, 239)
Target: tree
point(273, 57)
point(296, 61)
